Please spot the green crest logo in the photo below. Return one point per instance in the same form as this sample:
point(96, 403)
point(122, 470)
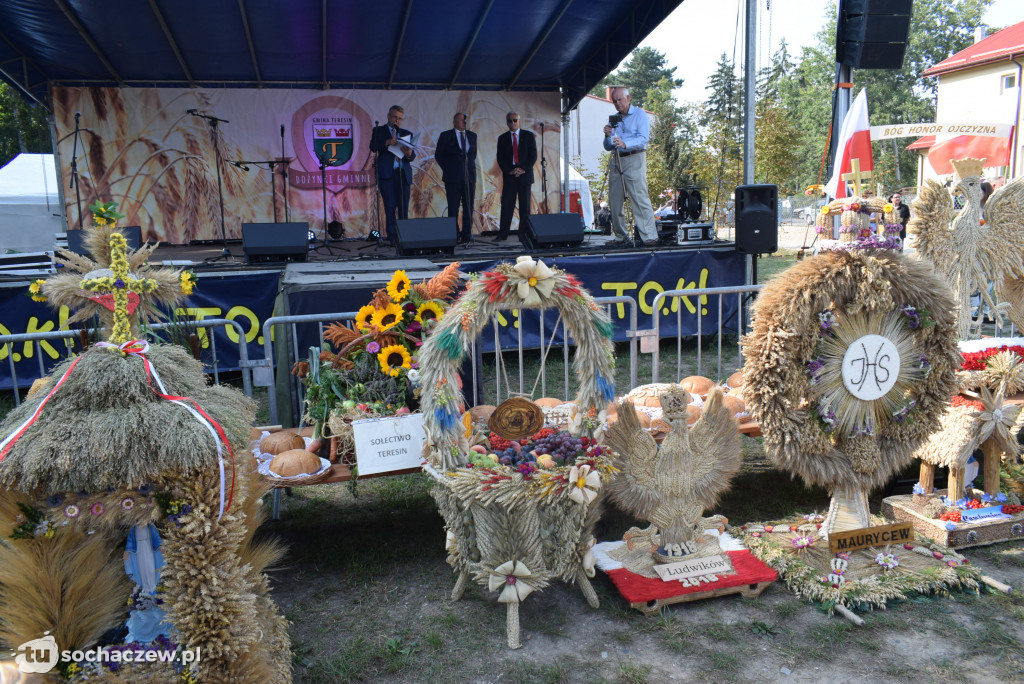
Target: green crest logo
point(332, 142)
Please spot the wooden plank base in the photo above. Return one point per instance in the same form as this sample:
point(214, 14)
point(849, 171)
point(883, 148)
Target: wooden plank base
point(652, 607)
point(910, 509)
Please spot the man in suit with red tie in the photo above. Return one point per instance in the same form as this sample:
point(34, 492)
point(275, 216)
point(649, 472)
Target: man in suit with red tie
point(394, 173)
point(517, 153)
point(456, 155)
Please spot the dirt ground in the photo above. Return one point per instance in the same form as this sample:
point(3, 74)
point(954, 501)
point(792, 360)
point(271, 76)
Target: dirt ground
point(367, 590)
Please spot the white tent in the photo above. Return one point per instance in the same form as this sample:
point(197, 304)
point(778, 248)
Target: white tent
point(30, 211)
point(577, 183)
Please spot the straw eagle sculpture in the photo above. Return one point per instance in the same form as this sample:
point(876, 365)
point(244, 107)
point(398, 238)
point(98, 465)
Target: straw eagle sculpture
point(673, 485)
point(129, 440)
point(969, 251)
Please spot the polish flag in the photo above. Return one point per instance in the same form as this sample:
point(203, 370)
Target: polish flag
point(854, 149)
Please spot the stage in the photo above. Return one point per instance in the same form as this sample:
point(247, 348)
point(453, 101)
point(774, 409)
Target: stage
point(206, 256)
point(342, 276)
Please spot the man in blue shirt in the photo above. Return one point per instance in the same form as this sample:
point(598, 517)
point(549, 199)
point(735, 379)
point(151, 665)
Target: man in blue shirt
point(628, 170)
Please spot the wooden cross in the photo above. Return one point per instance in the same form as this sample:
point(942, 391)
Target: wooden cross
point(856, 176)
point(118, 285)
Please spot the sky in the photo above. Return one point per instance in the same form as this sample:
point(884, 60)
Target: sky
point(693, 48)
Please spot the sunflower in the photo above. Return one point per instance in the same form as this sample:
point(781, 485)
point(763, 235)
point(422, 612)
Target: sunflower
point(365, 316)
point(388, 317)
point(393, 359)
point(399, 286)
point(429, 311)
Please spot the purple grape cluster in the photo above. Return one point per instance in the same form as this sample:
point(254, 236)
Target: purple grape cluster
point(563, 447)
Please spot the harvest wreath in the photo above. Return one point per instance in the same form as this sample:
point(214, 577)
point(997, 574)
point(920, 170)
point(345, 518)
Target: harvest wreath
point(518, 527)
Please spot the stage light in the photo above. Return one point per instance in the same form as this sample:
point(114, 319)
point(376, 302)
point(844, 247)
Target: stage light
point(311, 236)
point(335, 229)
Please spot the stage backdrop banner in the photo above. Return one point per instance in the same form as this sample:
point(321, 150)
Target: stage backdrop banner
point(247, 298)
point(141, 148)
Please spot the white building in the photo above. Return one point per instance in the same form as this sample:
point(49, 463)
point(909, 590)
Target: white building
point(981, 85)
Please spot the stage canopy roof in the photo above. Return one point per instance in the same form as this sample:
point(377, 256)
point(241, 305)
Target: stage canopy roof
point(323, 44)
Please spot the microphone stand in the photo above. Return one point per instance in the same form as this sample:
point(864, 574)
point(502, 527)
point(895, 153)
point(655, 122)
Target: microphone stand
point(284, 177)
point(630, 225)
point(273, 176)
point(543, 170)
point(375, 221)
point(74, 172)
point(323, 188)
point(225, 253)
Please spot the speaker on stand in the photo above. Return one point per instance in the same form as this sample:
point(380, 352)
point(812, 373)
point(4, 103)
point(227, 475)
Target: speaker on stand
point(757, 220)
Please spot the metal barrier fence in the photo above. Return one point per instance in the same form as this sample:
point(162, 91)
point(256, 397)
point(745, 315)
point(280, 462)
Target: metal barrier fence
point(7, 343)
point(265, 375)
point(702, 294)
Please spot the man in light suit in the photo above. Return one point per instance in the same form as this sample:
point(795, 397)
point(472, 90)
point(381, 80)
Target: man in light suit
point(517, 153)
point(394, 174)
point(456, 155)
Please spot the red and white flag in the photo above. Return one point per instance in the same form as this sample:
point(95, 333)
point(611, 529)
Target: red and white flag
point(853, 154)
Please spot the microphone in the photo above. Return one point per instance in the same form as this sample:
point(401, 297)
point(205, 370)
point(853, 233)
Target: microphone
point(239, 165)
point(77, 116)
point(193, 112)
point(282, 130)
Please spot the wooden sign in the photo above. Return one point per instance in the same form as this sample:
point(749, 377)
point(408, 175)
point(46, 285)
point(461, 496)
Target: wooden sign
point(694, 567)
point(880, 535)
point(387, 444)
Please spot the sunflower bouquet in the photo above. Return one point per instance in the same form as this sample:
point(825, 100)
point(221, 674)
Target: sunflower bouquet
point(375, 367)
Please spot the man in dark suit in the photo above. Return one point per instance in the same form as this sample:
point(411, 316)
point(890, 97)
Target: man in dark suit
point(394, 173)
point(456, 155)
point(517, 153)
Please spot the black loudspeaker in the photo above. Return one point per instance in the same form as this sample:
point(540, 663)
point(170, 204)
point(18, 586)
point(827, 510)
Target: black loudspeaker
point(427, 236)
point(275, 241)
point(76, 239)
point(545, 231)
point(872, 34)
point(757, 219)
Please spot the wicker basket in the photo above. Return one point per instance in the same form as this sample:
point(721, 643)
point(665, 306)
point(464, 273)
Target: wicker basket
point(298, 480)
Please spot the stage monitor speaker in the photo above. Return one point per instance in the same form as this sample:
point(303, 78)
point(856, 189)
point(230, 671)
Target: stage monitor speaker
point(546, 231)
point(872, 34)
point(76, 239)
point(757, 219)
point(427, 236)
point(275, 241)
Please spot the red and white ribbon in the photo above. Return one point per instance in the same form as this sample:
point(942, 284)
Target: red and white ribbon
point(140, 348)
point(12, 439)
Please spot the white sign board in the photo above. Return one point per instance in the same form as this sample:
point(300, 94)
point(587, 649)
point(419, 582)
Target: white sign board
point(944, 130)
point(387, 444)
point(870, 367)
point(694, 567)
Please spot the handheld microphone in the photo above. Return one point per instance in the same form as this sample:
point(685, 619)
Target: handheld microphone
point(282, 130)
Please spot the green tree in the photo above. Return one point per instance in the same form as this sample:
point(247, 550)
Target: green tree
point(775, 156)
point(938, 29)
point(23, 126)
point(669, 150)
point(717, 164)
point(641, 73)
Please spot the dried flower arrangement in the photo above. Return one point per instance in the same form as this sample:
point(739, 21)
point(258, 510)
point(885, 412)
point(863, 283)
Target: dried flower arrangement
point(514, 525)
